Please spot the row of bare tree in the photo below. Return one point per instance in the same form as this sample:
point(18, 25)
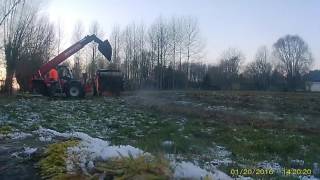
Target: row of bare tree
point(168, 54)
point(159, 56)
point(285, 68)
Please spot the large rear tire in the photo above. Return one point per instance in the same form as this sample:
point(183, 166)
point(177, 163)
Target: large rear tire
point(75, 91)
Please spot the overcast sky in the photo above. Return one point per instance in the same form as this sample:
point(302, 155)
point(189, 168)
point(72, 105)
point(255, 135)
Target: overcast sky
point(242, 24)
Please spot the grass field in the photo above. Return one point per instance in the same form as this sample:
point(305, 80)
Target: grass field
point(224, 130)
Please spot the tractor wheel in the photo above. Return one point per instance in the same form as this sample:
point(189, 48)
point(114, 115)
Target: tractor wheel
point(75, 91)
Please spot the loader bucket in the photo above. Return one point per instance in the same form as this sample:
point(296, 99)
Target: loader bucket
point(105, 48)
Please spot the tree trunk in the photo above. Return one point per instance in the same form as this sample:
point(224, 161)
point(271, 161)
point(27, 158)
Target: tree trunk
point(9, 82)
point(173, 65)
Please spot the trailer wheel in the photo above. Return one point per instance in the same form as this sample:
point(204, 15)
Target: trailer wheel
point(75, 90)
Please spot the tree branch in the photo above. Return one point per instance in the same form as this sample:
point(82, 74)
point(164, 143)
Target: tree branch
point(10, 10)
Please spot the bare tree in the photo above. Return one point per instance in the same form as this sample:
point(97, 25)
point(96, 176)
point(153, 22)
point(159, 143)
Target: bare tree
point(174, 40)
point(37, 48)
point(28, 40)
point(153, 49)
point(229, 66)
point(259, 71)
point(134, 54)
point(8, 7)
point(161, 42)
point(77, 61)
point(126, 39)
point(294, 58)
point(15, 28)
point(181, 36)
point(59, 36)
point(94, 55)
point(197, 72)
point(193, 43)
point(115, 43)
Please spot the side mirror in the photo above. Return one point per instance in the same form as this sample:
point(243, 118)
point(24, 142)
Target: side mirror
point(105, 49)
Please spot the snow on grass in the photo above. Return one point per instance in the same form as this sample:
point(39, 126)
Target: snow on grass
point(29, 151)
point(87, 152)
point(19, 135)
point(220, 155)
point(316, 168)
point(48, 134)
point(221, 151)
point(15, 135)
point(4, 118)
point(184, 103)
point(100, 149)
point(26, 152)
point(308, 178)
point(187, 170)
point(90, 150)
point(167, 143)
point(297, 163)
point(270, 165)
point(219, 108)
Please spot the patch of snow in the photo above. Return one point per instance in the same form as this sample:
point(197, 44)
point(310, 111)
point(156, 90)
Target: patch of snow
point(29, 151)
point(26, 152)
point(187, 170)
point(219, 162)
point(33, 117)
point(90, 165)
point(4, 117)
point(90, 149)
point(297, 163)
point(219, 108)
point(219, 175)
point(244, 178)
point(18, 135)
point(15, 154)
point(183, 103)
point(316, 169)
point(47, 134)
point(167, 143)
point(267, 114)
point(221, 151)
point(45, 139)
point(308, 178)
point(270, 165)
point(220, 154)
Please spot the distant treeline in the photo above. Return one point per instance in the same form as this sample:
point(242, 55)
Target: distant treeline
point(167, 54)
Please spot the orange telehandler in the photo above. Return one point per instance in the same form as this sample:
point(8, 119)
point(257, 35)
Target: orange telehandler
point(110, 81)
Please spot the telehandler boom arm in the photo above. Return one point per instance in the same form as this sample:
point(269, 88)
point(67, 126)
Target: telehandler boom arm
point(103, 46)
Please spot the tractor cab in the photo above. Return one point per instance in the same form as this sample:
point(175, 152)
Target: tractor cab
point(67, 83)
point(64, 73)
